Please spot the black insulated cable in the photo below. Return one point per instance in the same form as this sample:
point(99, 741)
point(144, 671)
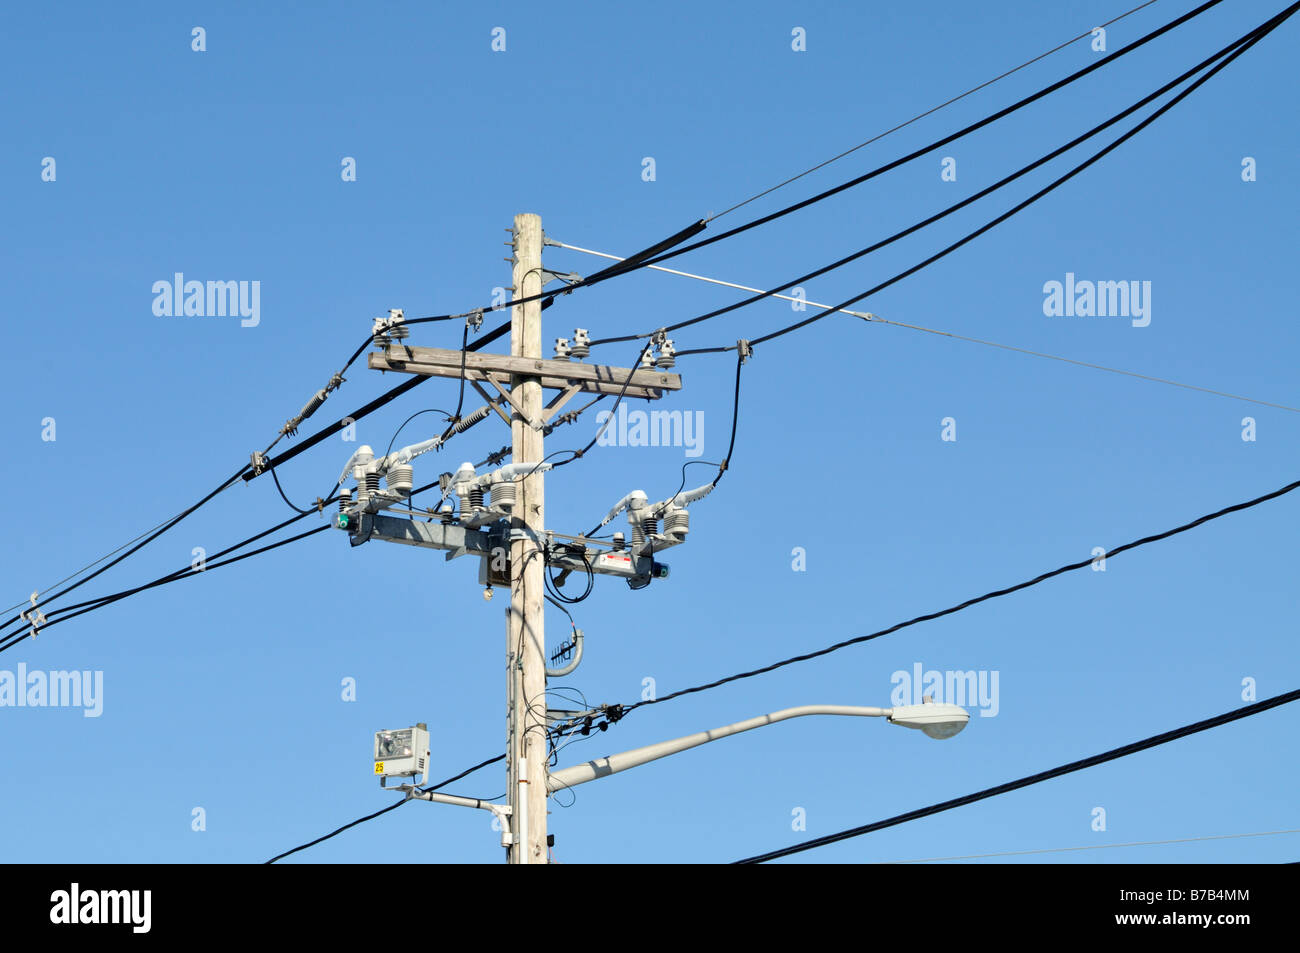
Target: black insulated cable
point(1114, 754)
point(995, 594)
point(938, 144)
point(1237, 48)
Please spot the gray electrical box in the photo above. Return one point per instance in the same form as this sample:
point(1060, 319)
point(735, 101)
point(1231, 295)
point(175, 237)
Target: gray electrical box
point(402, 752)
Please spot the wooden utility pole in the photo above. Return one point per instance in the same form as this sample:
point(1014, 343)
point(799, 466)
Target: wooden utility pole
point(527, 374)
point(525, 627)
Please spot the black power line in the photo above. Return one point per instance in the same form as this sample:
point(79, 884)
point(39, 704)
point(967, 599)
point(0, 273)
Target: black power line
point(1241, 46)
point(391, 807)
point(17, 636)
point(371, 407)
point(929, 616)
point(631, 263)
point(938, 144)
point(144, 542)
point(657, 252)
point(958, 206)
point(1112, 755)
point(23, 631)
point(929, 112)
point(671, 247)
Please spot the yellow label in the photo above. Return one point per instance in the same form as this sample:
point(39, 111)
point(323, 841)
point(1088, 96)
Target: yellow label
point(379, 767)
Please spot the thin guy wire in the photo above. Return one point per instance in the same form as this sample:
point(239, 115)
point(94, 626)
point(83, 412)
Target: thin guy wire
point(877, 319)
point(929, 112)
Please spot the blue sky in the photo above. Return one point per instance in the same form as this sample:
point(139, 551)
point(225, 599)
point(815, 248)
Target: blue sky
point(223, 692)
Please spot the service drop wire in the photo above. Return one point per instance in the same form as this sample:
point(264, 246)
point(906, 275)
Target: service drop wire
point(460, 399)
point(741, 356)
point(427, 410)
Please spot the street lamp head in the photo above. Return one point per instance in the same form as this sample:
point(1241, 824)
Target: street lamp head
point(936, 719)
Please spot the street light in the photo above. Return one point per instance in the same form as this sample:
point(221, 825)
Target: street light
point(936, 719)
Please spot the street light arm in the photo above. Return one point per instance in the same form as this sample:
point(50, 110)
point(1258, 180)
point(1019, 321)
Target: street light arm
point(603, 767)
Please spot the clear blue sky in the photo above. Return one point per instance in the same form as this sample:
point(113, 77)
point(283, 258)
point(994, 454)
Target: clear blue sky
point(223, 692)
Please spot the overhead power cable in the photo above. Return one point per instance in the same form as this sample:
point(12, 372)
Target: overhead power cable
point(215, 561)
point(339, 830)
point(632, 263)
point(672, 246)
point(1238, 47)
point(1087, 34)
point(1113, 754)
point(940, 143)
point(956, 207)
point(246, 473)
point(391, 807)
point(647, 256)
point(995, 594)
point(91, 565)
point(14, 638)
point(148, 538)
point(491, 336)
point(364, 411)
point(160, 580)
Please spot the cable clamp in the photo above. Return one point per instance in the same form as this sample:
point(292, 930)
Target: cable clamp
point(745, 349)
point(570, 278)
point(258, 462)
point(474, 319)
point(33, 616)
